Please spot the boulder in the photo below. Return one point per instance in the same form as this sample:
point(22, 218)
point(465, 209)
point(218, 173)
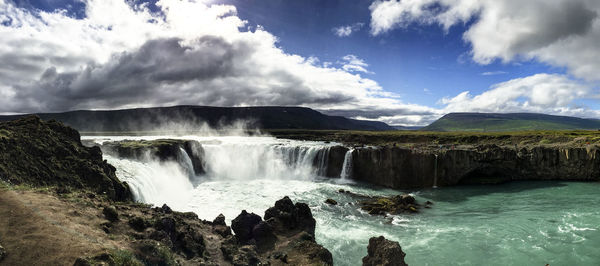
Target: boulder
point(383, 252)
point(290, 218)
point(264, 236)
point(219, 220)
point(394, 205)
point(243, 225)
point(331, 202)
point(110, 213)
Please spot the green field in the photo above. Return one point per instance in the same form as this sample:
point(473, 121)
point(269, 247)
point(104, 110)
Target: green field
point(489, 122)
point(531, 137)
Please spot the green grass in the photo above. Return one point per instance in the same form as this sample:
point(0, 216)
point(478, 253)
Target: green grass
point(490, 122)
point(402, 138)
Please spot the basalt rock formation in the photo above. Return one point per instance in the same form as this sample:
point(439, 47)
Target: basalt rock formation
point(285, 236)
point(394, 205)
point(38, 153)
point(162, 149)
point(383, 252)
point(335, 161)
point(399, 167)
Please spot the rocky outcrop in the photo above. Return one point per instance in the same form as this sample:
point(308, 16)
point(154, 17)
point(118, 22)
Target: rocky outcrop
point(399, 167)
point(162, 149)
point(383, 252)
point(335, 161)
point(393, 205)
point(39, 153)
point(285, 236)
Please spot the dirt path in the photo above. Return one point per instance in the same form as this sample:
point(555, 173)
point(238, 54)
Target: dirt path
point(40, 229)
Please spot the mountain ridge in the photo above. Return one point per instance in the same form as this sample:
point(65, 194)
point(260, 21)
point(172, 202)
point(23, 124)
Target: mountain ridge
point(262, 117)
point(490, 122)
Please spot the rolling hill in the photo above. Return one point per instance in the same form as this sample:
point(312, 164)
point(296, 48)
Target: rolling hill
point(169, 118)
point(490, 122)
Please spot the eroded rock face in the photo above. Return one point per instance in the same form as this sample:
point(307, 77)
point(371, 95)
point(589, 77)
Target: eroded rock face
point(286, 217)
point(49, 153)
point(383, 252)
point(403, 168)
point(243, 226)
point(162, 149)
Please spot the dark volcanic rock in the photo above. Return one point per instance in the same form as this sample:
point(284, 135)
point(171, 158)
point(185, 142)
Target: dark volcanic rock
point(162, 149)
point(335, 161)
point(110, 213)
point(288, 217)
point(49, 153)
point(331, 202)
point(285, 236)
point(264, 236)
point(383, 252)
point(393, 205)
point(243, 225)
point(420, 167)
point(219, 220)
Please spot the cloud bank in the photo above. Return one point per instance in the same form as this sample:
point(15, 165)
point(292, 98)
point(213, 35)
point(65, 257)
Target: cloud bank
point(123, 55)
point(562, 33)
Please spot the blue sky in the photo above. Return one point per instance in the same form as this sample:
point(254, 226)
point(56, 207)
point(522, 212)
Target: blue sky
point(405, 61)
point(413, 61)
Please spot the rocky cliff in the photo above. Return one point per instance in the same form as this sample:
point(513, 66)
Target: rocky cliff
point(38, 153)
point(404, 167)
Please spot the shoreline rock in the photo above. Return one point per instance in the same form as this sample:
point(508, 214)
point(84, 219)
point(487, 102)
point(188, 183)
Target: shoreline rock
point(393, 205)
point(383, 252)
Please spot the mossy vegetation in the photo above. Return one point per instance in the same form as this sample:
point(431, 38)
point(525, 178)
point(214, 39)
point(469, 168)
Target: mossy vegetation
point(44, 154)
point(408, 138)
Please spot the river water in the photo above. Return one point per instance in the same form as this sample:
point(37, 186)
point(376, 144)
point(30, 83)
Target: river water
point(520, 223)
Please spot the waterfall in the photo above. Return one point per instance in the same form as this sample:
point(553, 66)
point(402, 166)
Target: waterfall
point(322, 161)
point(252, 161)
point(184, 160)
point(347, 165)
point(224, 159)
point(155, 182)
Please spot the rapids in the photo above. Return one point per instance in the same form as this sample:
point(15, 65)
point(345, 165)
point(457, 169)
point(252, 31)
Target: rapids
point(521, 223)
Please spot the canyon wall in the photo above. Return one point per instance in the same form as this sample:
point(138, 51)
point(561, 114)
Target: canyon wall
point(401, 168)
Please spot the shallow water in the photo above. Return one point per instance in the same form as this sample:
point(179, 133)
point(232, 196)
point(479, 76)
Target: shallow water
point(521, 223)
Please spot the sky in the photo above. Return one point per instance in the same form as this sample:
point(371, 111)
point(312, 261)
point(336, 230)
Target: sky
point(405, 62)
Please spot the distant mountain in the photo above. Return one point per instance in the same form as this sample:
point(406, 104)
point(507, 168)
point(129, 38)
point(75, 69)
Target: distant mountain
point(484, 122)
point(145, 119)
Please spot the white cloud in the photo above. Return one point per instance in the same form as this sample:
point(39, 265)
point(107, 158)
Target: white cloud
point(352, 63)
point(122, 56)
point(540, 93)
point(563, 33)
point(493, 73)
point(347, 30)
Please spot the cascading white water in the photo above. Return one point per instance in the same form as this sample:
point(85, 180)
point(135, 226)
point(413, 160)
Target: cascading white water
point(155, 182)
point(252, 161)
point(323, 157)
point(224, 158)
point(347, 166)
point(185, 161)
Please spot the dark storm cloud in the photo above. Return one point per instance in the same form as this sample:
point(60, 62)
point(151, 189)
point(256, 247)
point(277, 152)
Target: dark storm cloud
point(557, 22)
point(209, 71)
